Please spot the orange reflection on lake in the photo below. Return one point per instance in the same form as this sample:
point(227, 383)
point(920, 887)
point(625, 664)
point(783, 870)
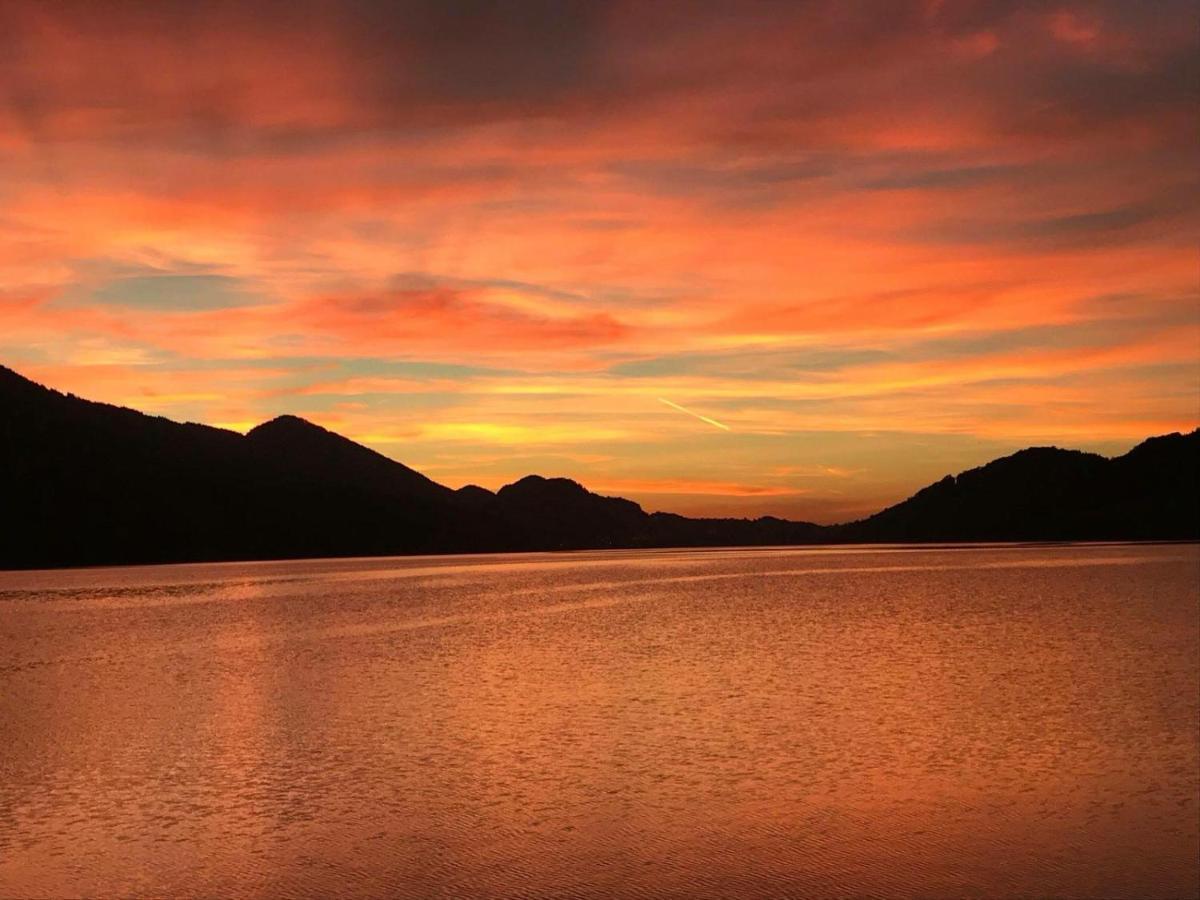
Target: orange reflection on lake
point(889, 722)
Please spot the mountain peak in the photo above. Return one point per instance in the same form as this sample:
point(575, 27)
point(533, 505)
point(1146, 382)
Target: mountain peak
point(540, 486)
point(287, 424)
point(319, 453)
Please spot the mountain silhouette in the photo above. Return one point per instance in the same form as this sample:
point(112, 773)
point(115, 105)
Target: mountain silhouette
point(1048, 494)
point(312, 452)
point(86, 483)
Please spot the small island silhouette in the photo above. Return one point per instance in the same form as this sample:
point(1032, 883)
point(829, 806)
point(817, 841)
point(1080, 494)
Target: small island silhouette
point(86, 483)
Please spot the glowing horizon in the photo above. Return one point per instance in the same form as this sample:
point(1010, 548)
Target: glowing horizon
point(855, 251)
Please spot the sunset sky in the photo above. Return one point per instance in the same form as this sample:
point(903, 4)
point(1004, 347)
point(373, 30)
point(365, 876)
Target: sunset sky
point(797, 258)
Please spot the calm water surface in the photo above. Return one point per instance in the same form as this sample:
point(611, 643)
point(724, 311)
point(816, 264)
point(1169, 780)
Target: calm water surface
point(992, 722)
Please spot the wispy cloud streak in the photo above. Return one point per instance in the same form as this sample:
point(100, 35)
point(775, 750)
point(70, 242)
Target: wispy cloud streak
point(684, 409)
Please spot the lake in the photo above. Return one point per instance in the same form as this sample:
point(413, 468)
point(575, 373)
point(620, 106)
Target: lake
point(891, 722)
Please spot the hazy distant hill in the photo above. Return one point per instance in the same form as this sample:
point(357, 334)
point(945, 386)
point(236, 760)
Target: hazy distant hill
point(88, 483)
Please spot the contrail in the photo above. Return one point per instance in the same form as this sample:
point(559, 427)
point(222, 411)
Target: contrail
point(697, 415)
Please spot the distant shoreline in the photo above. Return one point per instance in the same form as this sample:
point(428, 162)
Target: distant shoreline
point(914, 546)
